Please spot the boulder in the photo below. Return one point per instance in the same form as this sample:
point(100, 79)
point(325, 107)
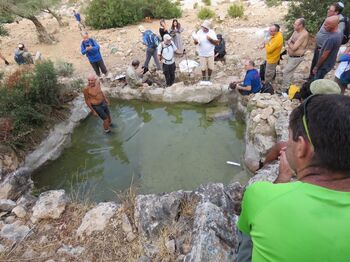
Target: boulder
point(97, 218)
point(16, 184)
point(7, 205)
point(19, 211)
point(213, 235)
point(15, 232)
point(154, 212)
point(50, 204)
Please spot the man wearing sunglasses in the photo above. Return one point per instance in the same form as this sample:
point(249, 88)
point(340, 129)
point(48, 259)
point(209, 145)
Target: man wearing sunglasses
point(305, 220)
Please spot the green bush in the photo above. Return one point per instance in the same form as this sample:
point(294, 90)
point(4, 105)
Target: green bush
point(205, 13)
point(236, 10)
point(27, 98)
point(207, 2)
point(3, 31)
point(64, 68)
point(271, 3)
point(111, 13)
point(314, 12)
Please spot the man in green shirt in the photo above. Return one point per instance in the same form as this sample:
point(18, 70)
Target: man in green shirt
point(306, 220)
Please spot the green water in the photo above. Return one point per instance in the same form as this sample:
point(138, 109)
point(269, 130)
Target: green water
point(157, 147)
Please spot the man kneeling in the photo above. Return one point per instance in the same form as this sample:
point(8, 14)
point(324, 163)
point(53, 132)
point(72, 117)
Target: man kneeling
point(306, 220)
point(251, 83)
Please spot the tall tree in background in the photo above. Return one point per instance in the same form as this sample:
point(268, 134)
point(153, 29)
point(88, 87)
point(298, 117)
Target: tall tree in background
point(46, 6)
point(27, 9)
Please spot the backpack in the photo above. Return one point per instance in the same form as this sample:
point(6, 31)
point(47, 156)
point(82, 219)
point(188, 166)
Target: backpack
point(345, 76)
point(152, 40)
point(346, 33)
point(267, 88)
point(19, 58)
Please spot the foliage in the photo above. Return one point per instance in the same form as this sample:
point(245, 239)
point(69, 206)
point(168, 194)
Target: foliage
point(207, 2)
point(78, 84)
point(236, 10)
point(271, 3)
point(111, 13)
point(205, 13)
point(64, 68)
point(314, 12)
point(27, 97)
point(3, 31)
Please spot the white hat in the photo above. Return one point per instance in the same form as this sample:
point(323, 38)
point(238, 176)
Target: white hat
point(206, 24)
point(341, 4)
point(167, 37)
point(141, 29)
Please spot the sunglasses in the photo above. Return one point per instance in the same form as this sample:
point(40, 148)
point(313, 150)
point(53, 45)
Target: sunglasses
point(305, 118)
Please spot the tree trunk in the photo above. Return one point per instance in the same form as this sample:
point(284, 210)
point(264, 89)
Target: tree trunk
point(43, 35)
point(57, 16)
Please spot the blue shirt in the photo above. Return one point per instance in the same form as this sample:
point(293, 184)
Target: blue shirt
point(94, 54)
point(77, 16)
point(252, 78)
point(147, 39)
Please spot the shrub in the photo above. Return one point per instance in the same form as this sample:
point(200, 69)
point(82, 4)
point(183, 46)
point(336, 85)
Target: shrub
point(78, 84)
point(111, 13)
point(236, 10)
point(205, 13)
point(314, 12)
point(271, 3)
point(64, 68)
point(207, 2)
point(3, 31)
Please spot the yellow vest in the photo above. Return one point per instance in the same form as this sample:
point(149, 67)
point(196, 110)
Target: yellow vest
point(273, 48)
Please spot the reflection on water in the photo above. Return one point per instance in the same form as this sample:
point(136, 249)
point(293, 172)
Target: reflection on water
point(159, 147)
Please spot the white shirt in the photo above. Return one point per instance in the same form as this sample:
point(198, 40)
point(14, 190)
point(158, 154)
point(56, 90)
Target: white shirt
point(167, 53)
point(205, 48)
point(342, 67)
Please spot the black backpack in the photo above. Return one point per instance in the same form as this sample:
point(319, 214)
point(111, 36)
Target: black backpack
point(346, 33)
point(267, 88)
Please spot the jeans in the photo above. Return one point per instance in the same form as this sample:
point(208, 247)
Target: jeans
point(151, 52)
point(321, 73)
point(169, 73)
point(314, 60)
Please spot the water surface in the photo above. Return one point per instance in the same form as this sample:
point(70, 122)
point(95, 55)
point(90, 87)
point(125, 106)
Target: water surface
point(157, 147)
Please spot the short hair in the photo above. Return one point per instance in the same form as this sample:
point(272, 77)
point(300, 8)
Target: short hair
point(277, 27)
point(339, 6)
point(328, 122)
point(135, 62)
point(302, 21)
point(251, 62)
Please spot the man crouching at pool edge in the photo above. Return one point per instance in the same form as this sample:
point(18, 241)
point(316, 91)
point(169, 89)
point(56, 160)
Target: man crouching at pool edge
point(97, 102)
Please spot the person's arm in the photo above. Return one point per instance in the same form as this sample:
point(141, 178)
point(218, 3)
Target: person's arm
point(83, 49)
point(246, 88)
point(294, 46)
point(285, 172)
point(96, 46)
point(87, 101)
point(159, 52)
point(213, 41)
point(321, 60)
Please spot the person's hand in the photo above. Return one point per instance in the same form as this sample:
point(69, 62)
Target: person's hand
point(88, 48)
point(314, 70)
point(208, 37)
point(285, 171)
point(6, 62)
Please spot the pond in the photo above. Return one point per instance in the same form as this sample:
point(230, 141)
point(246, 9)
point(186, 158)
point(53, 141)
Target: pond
point(155, 147)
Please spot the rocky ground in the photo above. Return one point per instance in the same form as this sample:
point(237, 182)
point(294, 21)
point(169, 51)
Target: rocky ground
point(196, 225)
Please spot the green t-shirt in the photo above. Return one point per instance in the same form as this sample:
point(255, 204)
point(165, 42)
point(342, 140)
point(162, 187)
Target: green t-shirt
point(296, 222)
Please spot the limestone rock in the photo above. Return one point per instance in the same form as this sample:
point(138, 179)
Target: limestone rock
point(50, 204)
point(10, 219)
point(130, 237)
point(126, 226)
point(16, 184)
point(153, 212)
point(19, 211)
point(6, 204)
point(70, 250)
point(97, 218)
point(214, 238)
point(170, 246)
point(15, 232)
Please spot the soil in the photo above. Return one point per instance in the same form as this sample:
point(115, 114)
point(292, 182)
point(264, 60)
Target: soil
point(242, 35)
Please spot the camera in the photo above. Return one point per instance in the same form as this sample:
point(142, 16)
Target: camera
point(232, 86)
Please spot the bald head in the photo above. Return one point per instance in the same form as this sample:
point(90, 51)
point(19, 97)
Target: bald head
point(91, 80)
point(331, 23)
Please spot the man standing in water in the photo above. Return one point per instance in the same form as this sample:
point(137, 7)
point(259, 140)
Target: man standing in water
point(97, 102)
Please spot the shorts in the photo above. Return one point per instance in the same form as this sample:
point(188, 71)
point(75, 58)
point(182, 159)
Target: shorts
point(102, 110)
point(206, 63)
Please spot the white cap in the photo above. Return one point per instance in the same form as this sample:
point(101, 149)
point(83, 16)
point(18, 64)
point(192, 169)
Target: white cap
point(206, 24)
point(167, 37)
point(141, 29)
point(341, 4)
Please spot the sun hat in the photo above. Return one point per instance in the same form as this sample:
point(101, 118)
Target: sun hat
point(324, 87)
point(141, 29)
point(206, 24)
point(167, 37)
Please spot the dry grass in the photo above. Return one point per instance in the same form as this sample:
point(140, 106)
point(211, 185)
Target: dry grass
point(188, 207)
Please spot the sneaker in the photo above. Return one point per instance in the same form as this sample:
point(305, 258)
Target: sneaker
point(202, 83)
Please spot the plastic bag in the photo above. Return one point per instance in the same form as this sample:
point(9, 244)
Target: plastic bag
point(187, 65)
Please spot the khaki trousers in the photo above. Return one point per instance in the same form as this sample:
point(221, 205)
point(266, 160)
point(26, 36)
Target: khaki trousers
point(288, 71)
point(270, 72)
